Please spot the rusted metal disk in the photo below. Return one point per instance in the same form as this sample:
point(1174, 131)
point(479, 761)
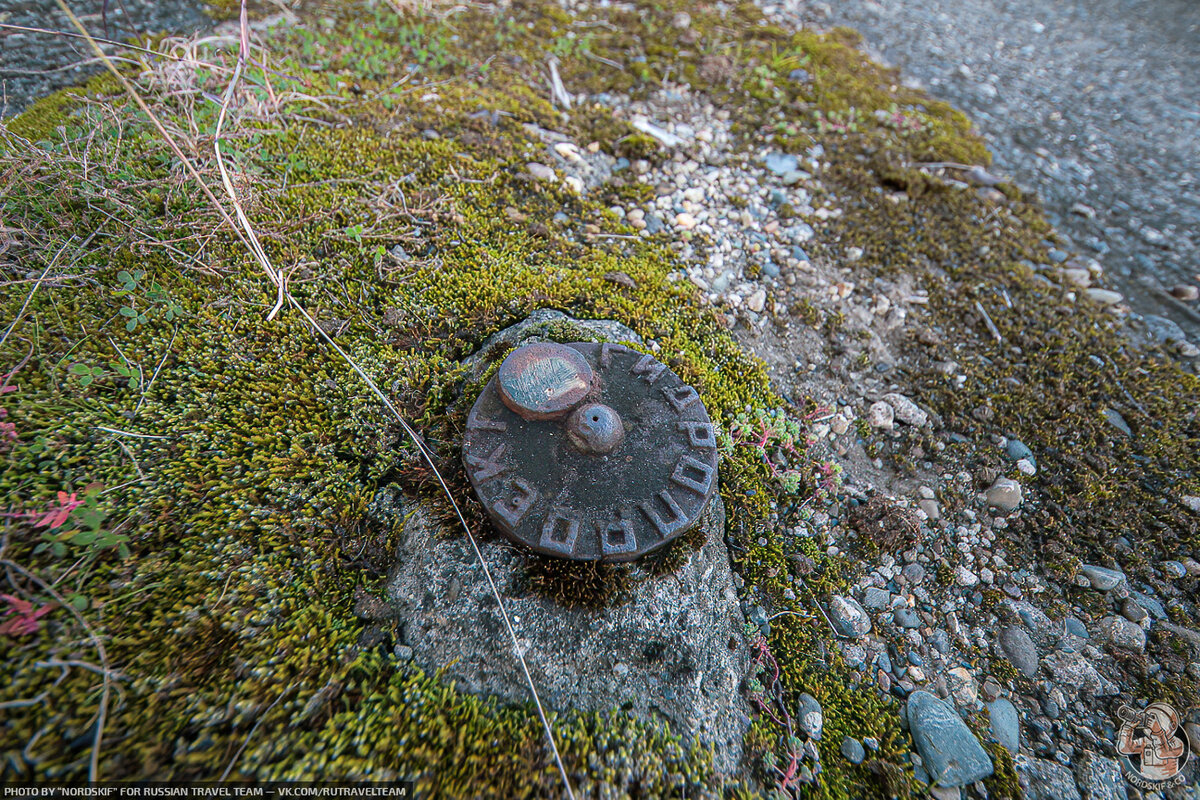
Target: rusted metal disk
point(590, 451)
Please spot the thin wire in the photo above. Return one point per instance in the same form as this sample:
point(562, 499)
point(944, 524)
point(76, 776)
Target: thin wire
point(248, 237)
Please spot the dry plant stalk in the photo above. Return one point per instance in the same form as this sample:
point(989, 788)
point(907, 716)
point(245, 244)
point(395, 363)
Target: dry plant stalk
point(245, 232)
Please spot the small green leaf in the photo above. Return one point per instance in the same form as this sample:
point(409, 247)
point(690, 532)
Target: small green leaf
point(78, 602)
point(81, 369)
point(131, 325)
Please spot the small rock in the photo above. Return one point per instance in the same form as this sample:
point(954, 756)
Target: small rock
point(1122, 633)
point(1114, 418)
point(757, 301)
point(1174, 569)
point(849, 617)
point(1020, 649)
point(876, 599)
point(880, 415)
point(568, 151)
point(906, 618)
point(541, 172)
point(1045, 780)
point(1099, 777)
point(1102, 578)
point(1079, 278)
point(1016, 450)
point(1192, 502)
point(931, 509)
point(964, 576)
point(809, 717)
point(574, 183)
point(685, 221)
point(1193, 732)
point(1073, 626)
point(963, 688)
point(949, 750)
point(1132, 611)
point(1004, 495)
point(913, 573)
point(1104, 297)
point(906, 410)
point(781, 163)
point(1185, 292)
point(853, 750)
point(1006, 724)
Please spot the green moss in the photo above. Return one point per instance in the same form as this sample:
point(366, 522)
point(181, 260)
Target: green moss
point(232, 621)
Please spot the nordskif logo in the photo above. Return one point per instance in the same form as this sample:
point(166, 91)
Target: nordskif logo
point(1154, 745)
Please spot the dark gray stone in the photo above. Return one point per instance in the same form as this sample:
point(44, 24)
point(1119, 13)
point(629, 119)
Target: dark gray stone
point(1020, 649)
point(1076, 628)
point(1102, 578)
point(1042, 779)
point(1099, 778)
point(951, 753)
point(853, 750)
point(1006, 724)
point(810, 719)
point(850, 618)
point(1122, 633)
point(876, 599)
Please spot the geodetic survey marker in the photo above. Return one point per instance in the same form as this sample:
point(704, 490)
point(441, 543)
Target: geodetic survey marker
point(590, 451)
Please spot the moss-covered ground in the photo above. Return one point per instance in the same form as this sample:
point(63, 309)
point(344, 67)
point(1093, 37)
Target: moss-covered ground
point(223, 463)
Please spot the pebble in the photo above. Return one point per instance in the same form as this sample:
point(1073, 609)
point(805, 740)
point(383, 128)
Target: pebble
point(1122, 633)
point(809, 716)
point(913, 573)
point(781, 163)
point(1105, 297)
point(568, 151)
point(931, 509)
point(963, 687)
point(1017, 450)
point(1020, 649)
point(1076, 628)
point(880, 415)
point(1187, 293)
point(1004, 495)
point(1045, 780)
point(757, 301)
point(853, 750)
point(947, 746)
point(541, 172)
point(1132, 611)
point(964, 576)
point(1099, 777)
point(1114, 418)
point(849, 617)
point(876, 599)
point(906, 618)
point(1005, 724)
point(1102, 578)
point(1174, 569)
point(906, 411)
point(685, 221)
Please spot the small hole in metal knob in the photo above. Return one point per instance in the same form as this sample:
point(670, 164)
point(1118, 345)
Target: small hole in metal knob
point(595, 428)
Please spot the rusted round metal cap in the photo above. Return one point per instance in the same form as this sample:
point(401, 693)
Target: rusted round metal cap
point(590, 451)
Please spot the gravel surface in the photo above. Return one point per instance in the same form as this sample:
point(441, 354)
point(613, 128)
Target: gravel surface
point(1093, 103)
point(35, 64)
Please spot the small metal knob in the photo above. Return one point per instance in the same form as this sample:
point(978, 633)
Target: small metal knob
point(595, 428)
